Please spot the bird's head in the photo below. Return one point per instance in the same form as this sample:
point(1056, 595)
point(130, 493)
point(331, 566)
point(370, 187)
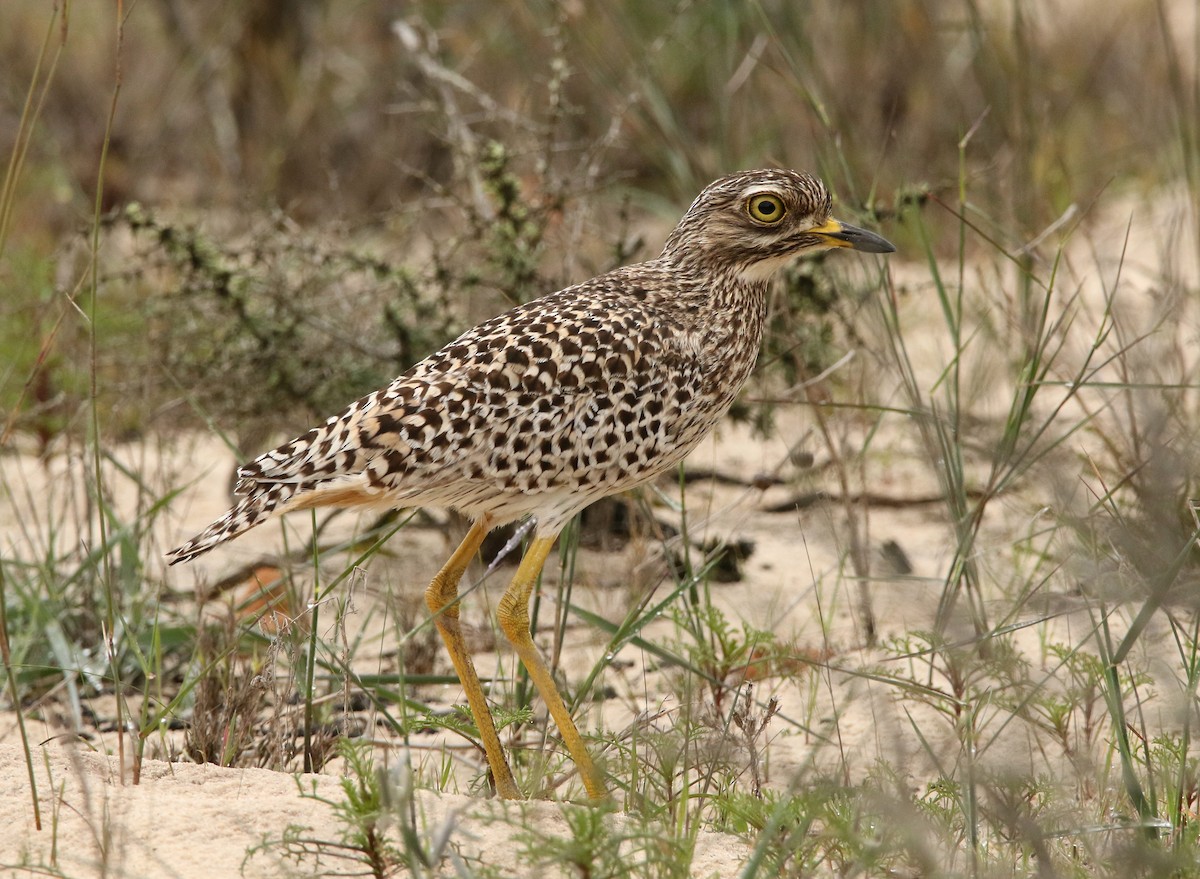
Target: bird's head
point(751, 224)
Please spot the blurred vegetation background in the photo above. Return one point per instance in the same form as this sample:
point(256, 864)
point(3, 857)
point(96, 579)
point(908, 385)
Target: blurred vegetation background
point(236, 217)
point(300, 197)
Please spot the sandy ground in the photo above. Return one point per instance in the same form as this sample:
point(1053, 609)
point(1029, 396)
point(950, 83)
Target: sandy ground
point(185, 820)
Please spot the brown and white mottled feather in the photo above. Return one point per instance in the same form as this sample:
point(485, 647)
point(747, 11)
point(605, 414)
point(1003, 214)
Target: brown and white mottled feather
point(579, 394)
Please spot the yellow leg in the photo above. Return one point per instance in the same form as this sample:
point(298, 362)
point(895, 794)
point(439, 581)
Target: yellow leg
point(513, 614)
point(441, 596)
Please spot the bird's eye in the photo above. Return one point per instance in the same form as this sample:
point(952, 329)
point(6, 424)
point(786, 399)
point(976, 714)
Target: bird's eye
point(765, 209)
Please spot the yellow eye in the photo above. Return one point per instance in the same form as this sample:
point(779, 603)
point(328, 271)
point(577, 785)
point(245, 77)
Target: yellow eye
point(766, 209)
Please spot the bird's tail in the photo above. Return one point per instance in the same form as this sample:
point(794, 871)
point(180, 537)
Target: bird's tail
point(260, 503)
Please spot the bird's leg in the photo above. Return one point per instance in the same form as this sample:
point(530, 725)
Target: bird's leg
point(442, 598)
point(513, 613)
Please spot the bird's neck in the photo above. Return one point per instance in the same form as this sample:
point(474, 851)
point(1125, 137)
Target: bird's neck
point(732, 321)
point(739, 293)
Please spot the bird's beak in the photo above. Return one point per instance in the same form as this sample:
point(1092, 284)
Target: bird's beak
point(837, 234)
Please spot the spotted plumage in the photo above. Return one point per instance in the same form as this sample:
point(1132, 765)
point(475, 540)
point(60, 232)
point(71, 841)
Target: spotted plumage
point(539, 411)
point(585, 392)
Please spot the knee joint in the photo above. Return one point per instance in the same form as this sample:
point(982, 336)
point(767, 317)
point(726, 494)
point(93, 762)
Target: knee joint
point(513, 616)
point(439, 602)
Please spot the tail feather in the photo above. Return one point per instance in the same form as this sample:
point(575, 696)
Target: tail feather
point(325, 467)
point(254, 509)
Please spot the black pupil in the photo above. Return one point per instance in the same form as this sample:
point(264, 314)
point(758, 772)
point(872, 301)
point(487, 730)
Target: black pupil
point(766, 207)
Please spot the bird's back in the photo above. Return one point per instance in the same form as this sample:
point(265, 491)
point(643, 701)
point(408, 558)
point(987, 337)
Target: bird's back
point(582, 393)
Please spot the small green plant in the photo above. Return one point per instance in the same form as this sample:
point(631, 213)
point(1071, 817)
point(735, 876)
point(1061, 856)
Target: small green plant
point(1073, 709)
point(823, 825)
point(724, 654)
point(380, 833)
point(600, 844)
point(460, 722)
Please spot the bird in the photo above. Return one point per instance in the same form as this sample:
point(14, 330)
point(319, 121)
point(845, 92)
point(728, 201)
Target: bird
point(590, 391)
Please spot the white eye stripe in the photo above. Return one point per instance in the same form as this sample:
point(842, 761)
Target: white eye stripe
point(750, 191)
